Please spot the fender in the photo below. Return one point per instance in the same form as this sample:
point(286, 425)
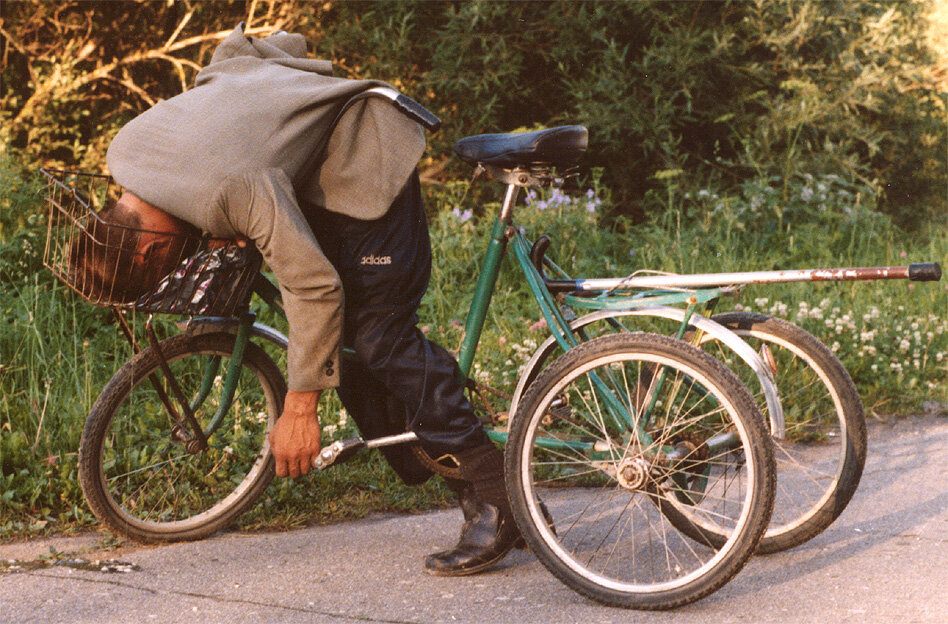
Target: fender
point(228, 325)
point(209, 324)
point(716, 330)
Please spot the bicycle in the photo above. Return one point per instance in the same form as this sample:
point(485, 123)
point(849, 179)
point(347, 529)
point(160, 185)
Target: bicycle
point(621, 419)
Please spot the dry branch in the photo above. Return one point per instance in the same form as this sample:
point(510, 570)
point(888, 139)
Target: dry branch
point(74, 57)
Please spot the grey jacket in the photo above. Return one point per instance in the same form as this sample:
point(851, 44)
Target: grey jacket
point(234, 155)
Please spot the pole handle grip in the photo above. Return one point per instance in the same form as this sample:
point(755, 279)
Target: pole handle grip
point(924, 272)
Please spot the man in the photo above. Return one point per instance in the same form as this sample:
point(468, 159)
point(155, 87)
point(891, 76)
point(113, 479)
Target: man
point(255, 150)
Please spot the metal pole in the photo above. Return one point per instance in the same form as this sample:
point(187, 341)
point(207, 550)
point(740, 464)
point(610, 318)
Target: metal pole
point(915, 272)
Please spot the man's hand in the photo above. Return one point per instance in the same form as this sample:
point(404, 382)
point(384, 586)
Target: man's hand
point(217, 243)
point(296, 437)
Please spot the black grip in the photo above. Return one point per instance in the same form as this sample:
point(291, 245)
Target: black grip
point(538, 251)
point(925, 272)
point(418, 112)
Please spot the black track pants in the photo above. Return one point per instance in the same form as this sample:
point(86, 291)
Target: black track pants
point(399, 377)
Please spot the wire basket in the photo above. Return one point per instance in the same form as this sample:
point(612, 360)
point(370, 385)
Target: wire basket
point(109, 263)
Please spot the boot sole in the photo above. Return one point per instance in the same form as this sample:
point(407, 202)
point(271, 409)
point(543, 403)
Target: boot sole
point(473, 569)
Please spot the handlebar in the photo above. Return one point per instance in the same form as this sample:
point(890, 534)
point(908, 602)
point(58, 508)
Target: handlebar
point(408, 106)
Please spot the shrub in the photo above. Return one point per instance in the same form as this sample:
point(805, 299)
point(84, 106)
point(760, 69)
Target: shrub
point(724, 92)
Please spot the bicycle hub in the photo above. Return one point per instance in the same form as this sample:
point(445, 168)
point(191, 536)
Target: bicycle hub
point(632, 473)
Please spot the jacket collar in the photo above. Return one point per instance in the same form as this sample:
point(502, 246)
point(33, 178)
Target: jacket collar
point(281, 45)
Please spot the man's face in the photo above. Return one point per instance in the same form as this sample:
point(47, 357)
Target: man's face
point(158, 252)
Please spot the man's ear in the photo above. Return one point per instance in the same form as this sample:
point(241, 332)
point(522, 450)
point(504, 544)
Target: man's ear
point(150, 243)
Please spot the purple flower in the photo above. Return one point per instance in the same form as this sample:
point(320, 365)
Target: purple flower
point(462, 216)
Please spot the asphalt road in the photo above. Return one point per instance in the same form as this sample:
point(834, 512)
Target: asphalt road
point(884, 560)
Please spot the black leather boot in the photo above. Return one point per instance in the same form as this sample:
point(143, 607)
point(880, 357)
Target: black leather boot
point(489, 530)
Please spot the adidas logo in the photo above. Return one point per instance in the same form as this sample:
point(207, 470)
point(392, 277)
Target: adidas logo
point(376, 260)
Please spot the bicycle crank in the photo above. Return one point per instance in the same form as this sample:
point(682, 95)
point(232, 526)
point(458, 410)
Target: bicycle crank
point(341, 450)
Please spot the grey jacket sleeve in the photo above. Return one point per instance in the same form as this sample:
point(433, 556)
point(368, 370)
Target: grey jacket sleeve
point(262, 206)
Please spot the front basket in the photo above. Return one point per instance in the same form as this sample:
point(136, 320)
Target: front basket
point(100, 259)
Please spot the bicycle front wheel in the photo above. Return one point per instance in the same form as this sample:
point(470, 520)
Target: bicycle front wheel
point(138, 472)
point(605, 436)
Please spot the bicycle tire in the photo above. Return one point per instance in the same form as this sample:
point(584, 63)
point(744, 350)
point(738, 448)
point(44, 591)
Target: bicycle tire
point(598, 487)
point(820, 462)
point(140, 481)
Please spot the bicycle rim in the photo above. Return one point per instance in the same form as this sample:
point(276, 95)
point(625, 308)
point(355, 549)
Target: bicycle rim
point(142, 481)
point(607, 534)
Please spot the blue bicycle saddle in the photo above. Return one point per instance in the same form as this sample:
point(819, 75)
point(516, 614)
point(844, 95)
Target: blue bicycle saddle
point(559, 147)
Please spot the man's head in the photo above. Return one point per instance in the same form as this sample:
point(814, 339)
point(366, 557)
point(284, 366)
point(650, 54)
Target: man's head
point(130, 246)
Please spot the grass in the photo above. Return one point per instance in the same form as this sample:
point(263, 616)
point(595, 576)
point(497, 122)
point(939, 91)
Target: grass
point(56, 352)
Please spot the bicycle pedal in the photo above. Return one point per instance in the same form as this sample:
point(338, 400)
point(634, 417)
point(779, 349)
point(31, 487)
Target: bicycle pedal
point(338, 452)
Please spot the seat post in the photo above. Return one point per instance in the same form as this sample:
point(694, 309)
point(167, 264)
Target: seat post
point(506, 211)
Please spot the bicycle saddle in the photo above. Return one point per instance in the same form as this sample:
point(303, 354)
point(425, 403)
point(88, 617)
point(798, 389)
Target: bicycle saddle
point(560, 147)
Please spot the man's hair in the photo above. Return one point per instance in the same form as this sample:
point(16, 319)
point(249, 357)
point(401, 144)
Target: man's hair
point(102, 259)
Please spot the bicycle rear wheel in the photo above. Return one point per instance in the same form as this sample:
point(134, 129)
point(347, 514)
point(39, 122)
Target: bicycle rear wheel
point(136, 470)
point(820, 460)
point(602, 526)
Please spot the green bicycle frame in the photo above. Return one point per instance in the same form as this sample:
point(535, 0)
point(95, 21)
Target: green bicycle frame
point(503, 231)
point(502, 234)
